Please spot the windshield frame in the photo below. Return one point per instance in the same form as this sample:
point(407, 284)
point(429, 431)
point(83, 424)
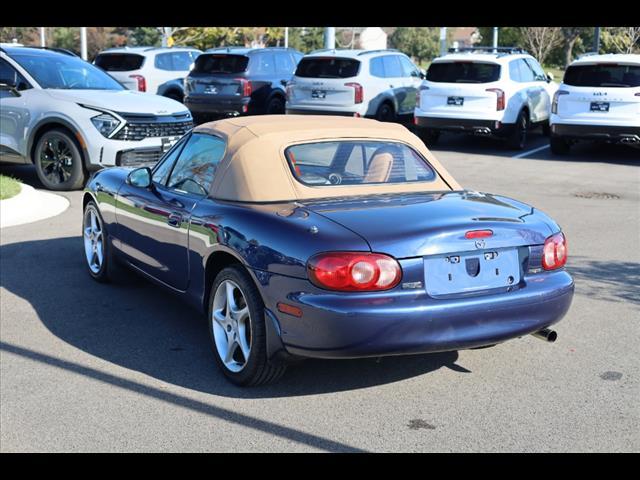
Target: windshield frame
point(19, 58)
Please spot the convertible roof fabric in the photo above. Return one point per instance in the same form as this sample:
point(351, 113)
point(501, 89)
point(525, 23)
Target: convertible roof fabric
point(254, 167)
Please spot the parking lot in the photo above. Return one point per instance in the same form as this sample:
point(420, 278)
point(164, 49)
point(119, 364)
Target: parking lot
point(127, 367)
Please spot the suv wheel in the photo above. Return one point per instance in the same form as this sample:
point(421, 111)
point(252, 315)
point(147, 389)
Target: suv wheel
point(275, 106)
point(58, 161)
point(237, 330)
point(518, 139)
point(386, 113)
point(559, 145)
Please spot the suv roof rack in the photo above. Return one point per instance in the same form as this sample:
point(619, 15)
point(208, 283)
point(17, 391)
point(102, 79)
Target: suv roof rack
point(495, 50)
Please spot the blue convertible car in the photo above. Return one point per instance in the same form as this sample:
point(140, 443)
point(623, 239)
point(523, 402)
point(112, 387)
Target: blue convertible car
point(327, 237)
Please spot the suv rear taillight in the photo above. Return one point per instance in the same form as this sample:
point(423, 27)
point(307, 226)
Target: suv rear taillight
point(554, 103)
point(554, 254)
point(358, 92)
point(245, 87)
point(354, 271)
point(500, 103)
point(142, 82)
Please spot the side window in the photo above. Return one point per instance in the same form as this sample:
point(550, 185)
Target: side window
point(163, 61)
point(10, 76)
point(376, 68)
point(392, 67)
point(408, 68)
point(196, 167)
point(263, 64)
point(514, 71)
point(526, 74)
point(284, 64)
point(163, 167)
point(181, 61)
point(538, 72)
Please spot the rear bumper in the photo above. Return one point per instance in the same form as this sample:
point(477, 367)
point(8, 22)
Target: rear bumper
point(607, 133)
point(301, 111)
point(408, 322)
point(465, 125)
point(216, 105)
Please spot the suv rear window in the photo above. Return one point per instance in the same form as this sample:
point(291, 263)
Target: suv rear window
point(463, 72)
point(603, 75)
point(327, 67)
point(221, 63)
point(357, 162)
point(119, 62)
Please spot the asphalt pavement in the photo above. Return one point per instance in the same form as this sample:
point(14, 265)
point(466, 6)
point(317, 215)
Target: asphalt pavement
point(127, 367)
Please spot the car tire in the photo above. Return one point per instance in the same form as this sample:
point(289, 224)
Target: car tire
point(430, 136)
point(386, 113)
point(518, 139)
point(58, 160)
point(229, 335)
point(559, 145)
point(275, 106)
point(96, 243)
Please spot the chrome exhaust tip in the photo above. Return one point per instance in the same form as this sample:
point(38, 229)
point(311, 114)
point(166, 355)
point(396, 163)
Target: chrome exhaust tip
point(546, 334)
point(482, 131)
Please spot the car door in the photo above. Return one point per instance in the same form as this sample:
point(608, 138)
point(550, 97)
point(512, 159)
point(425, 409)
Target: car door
point(545, 87)
point(14, 114)
point(396, 80)
point(262, 72)
point(412, 82)
point(154, 222)
point(534, 91)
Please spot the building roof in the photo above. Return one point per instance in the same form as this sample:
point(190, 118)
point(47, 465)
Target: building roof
point(254, 168)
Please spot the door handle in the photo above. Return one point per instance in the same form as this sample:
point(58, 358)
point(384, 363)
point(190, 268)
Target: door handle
point(175, 220)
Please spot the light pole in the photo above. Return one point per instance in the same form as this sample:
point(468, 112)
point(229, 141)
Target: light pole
point(43, 38)
point(495, 37)
point(443, 41)
point(286, 37)
point(596, 41)
point(330, 37)
point(83, 42)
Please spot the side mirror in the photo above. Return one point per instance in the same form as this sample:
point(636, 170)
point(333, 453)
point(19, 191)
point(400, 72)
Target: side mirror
point(140, 177)
point(423, 73)
point(5, 87)
point(284, 82)
point(549, 77)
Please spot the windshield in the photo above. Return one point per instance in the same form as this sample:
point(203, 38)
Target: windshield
point(327, 67)
point(357, 162)
point(463, 72)
point(220, 63)
point(603, 75)
point(65, 72)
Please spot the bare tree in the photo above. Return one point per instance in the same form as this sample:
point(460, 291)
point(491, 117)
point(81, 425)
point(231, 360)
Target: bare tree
point(540, 41)
point(622, 39)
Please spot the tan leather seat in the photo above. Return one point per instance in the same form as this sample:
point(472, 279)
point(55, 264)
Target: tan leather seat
point(379, 168)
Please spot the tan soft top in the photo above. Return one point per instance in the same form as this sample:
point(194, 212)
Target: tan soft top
point(254, 168)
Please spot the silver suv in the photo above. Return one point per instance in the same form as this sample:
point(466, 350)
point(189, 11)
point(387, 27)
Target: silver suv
point(150, 69)
point(381, 84)
point(69, 118)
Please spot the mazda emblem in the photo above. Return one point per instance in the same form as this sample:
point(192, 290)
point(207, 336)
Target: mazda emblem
point(480, 244)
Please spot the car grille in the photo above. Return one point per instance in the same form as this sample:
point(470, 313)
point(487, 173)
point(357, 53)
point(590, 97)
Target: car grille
point(141, 127)
point(140, 157)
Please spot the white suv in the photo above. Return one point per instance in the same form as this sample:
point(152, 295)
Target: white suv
point(68, 117)
point(381, 84)
point(485, 91)
point(599, 99)
point(149, 69)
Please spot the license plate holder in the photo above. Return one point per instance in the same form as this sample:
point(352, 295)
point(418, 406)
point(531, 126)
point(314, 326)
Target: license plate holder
point(460, 273)
point(599, 106)
point(455, 101)
point(320, 94)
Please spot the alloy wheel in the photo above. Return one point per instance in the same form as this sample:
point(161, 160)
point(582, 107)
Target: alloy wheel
point(93, 240)
point(231, 324)
point(56, 159)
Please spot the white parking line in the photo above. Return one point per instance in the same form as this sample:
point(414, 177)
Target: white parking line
point(530, 152)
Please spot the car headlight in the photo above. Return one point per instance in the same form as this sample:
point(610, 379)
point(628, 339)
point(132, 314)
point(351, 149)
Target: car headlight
point(105, 123)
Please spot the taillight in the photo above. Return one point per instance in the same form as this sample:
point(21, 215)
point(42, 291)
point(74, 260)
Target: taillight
point(354, 271)
point(245, 87)
point(142, 82)
point(500, 101)
point(358, 96)
point(554, 253)
point(554, 104)
point(418, 93)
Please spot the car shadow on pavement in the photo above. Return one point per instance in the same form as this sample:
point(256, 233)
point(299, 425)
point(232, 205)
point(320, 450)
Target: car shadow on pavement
point(593, 152)
point(607, 280)
point(137, 325)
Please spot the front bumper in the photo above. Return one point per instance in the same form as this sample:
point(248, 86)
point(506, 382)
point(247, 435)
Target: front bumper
point(341, 325)
point(465, 125)
point(607, 133)
point(105, 152)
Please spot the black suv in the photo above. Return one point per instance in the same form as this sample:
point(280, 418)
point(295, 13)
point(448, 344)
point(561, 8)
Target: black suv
point(232, 81)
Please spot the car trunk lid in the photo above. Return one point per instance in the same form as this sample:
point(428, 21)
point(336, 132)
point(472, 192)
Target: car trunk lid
point(323, 81)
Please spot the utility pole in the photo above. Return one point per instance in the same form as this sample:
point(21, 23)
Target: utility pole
point(330, 37)
point(495, 37)
point(443, 41)
point(286, 37)
point(43, 38)
point(596, 41)
point(83, 42)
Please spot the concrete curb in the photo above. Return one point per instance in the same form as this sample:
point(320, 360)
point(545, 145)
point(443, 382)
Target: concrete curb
point(30, 205)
